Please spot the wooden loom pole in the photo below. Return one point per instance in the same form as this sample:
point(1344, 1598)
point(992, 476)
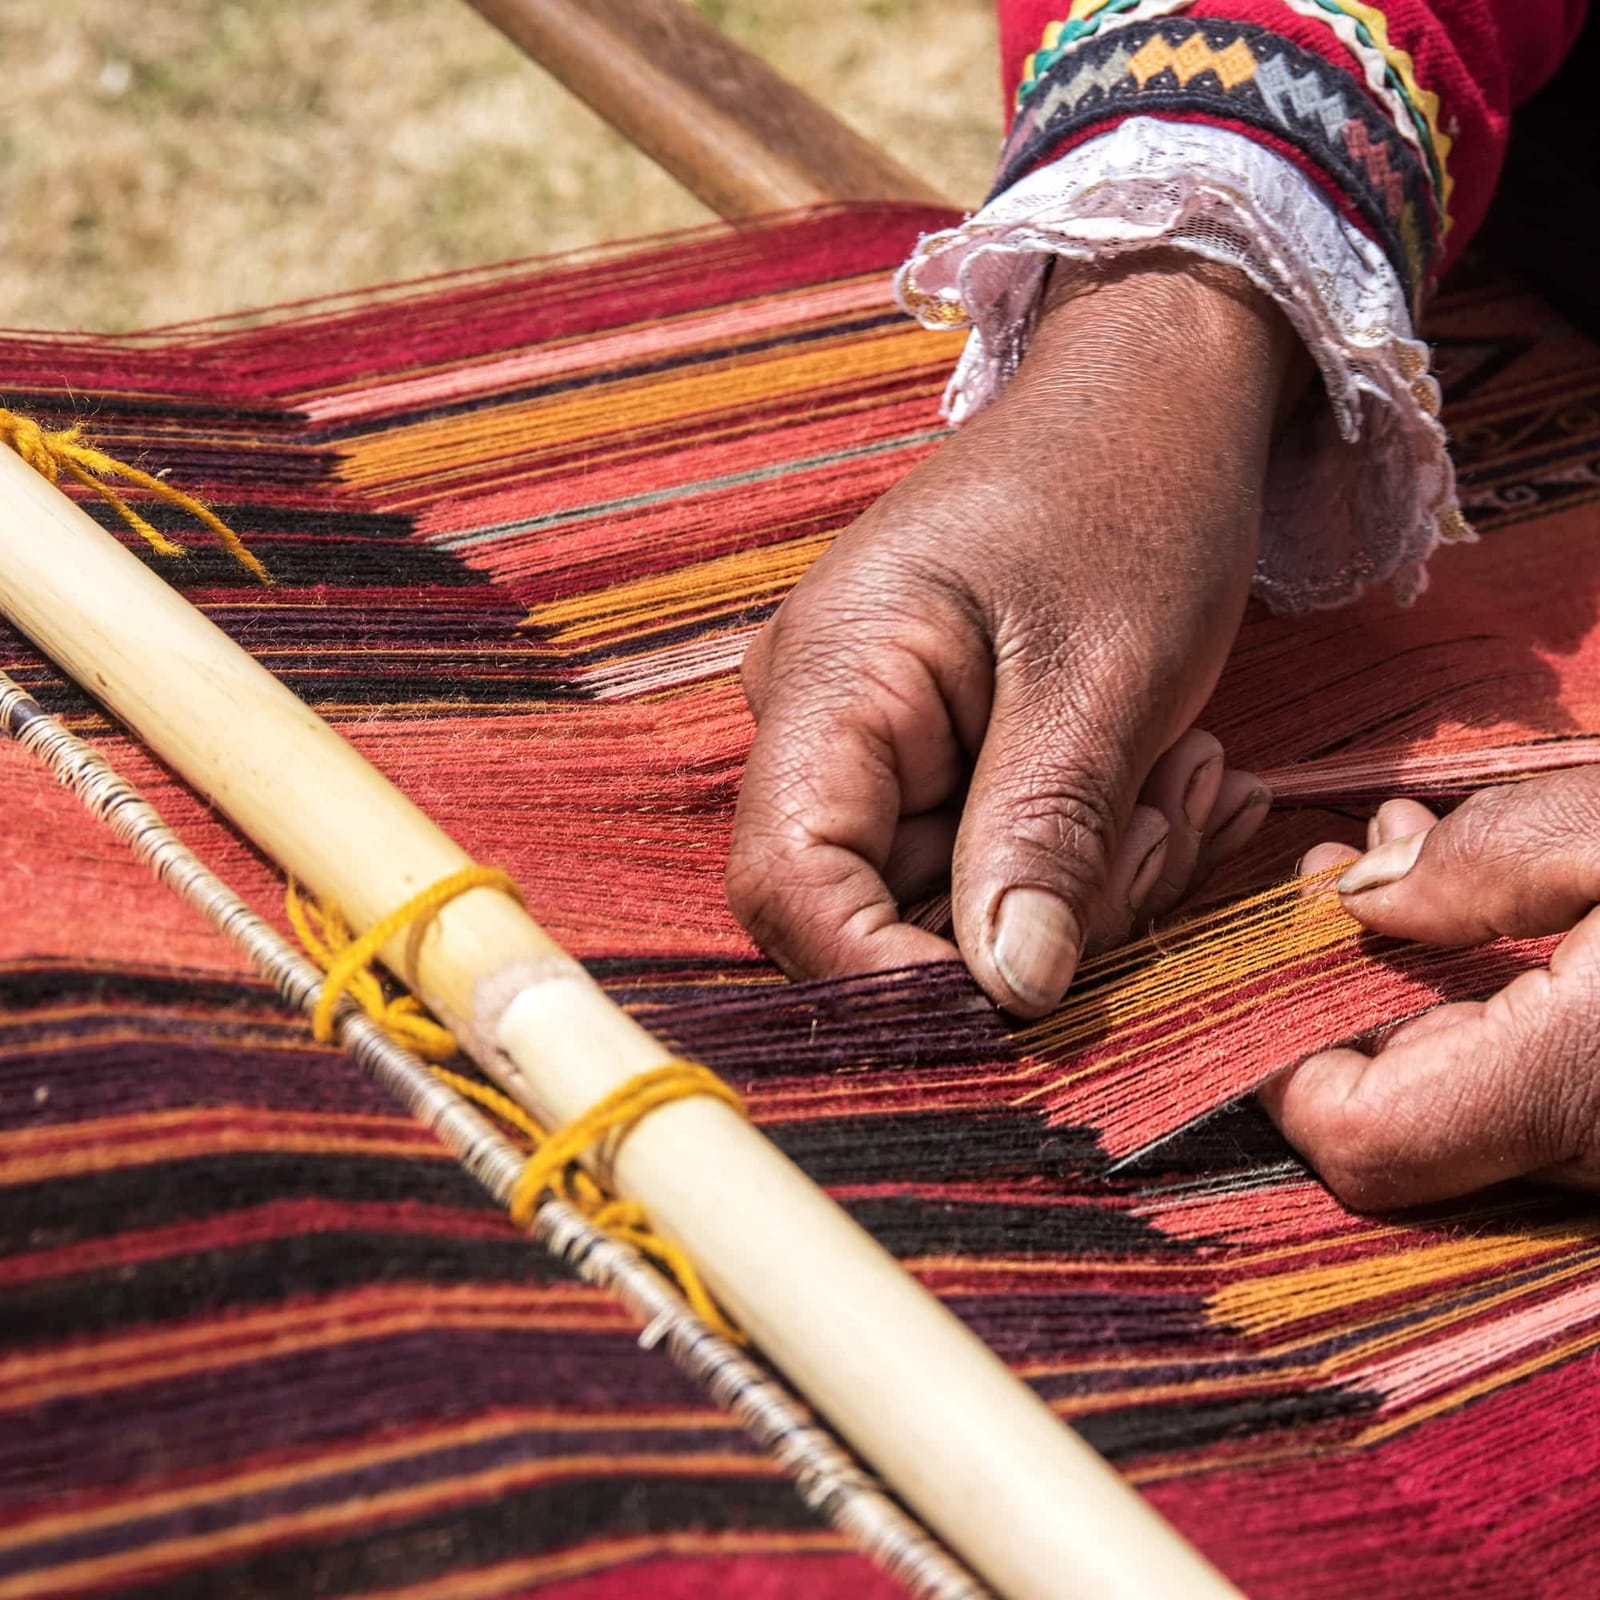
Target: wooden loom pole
point(731, 130)
point(982, 1461)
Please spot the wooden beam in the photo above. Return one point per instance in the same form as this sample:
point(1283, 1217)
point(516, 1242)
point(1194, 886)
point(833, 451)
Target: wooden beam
point(742, 138)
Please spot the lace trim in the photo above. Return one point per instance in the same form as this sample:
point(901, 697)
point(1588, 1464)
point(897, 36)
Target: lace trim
point(1360, 490)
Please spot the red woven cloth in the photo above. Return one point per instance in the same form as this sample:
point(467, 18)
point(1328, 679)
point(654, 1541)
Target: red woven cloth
point(261, 1337)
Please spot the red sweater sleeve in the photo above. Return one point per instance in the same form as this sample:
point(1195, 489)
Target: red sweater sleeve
point(1297, 76)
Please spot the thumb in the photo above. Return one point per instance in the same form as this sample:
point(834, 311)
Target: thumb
point(1051, 799)
point(1514, 862)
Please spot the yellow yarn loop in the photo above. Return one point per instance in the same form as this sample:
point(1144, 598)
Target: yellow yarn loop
point(612, 1118)
point(52, 452)
point(326, 936)
point(348, 960)
point(555, 1163)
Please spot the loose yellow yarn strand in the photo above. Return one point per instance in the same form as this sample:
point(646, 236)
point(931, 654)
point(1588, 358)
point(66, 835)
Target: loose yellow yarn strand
point(54, 451)
point(326, 937)
point(554, 1163)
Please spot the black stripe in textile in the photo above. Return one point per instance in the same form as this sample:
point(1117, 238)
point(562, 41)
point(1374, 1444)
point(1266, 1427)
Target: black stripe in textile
point(260, 1273)
point(523, 1523)
point(67, 1211)
point(1192, 1424)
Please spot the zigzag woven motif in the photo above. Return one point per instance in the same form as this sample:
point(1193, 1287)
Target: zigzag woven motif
point(1235, 72)
point(261, 1337)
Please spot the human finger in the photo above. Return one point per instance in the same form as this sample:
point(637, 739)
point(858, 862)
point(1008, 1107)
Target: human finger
point(1516, 861)
point(1183, 787)
point(814, 833)
point(1471, 1097)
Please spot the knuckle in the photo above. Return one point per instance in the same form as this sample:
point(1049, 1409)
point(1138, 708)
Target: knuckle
point(1514, 822)
point(1566, 810)
point(755, 896)
point(748, 881)
point(753, 672)
point(1198, 746)
point(755, 872)
point(1039, 638)
point(1476, 833)
point(1354, 1148)
point(942, 591)
point(1551, 1031)
point(1064, 827)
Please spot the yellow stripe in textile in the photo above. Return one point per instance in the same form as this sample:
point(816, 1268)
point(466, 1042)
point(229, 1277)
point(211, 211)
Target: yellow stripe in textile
point(1255, 937)
point(418, 453)
point(744, 578)
point(1290, 1297)
point(1431, 1317)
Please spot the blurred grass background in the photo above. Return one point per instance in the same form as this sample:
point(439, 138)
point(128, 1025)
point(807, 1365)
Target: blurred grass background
point(168, 160)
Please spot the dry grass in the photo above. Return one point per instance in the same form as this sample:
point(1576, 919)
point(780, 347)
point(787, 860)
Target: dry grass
point(172, 160)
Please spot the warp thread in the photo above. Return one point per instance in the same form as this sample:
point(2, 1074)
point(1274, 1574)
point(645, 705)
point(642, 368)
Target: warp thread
point(554, 1164)
point(54, 451)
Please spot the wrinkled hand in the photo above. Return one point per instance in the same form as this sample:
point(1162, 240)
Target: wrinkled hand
point(993, 673)
point(1468, 1094)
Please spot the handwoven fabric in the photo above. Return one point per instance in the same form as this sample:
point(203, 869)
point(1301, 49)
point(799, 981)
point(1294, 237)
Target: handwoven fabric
point(261, 1337)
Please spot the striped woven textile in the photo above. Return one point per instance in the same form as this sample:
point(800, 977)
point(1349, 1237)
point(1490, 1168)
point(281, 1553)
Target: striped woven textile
point(258, 1336)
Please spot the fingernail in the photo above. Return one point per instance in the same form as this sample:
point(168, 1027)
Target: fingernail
point(1201, 794)
point(1385, 825)
point(1389, 863)
point(1258, 799)
point(1144, 880)
point(1035, 945)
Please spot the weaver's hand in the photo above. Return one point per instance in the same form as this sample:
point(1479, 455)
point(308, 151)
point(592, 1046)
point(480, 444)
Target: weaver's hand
point(1468, 1094)
point(993, 673)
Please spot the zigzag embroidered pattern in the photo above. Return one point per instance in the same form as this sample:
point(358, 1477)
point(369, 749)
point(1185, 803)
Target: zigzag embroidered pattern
point(261, 1337)
point(1246, 75)
point(1233, 65)
point(1363, 30)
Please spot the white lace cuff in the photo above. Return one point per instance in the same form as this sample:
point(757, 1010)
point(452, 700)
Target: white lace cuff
point(1358, 491)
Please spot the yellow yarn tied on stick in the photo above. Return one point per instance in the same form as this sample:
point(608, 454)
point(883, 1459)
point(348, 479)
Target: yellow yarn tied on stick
point(55, 453)
point(554, 1165)
point(555, 1162)
point(348, 960)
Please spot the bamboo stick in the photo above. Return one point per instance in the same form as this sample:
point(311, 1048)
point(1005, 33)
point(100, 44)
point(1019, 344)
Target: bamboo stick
point(985, 1464)
point(731, 130)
